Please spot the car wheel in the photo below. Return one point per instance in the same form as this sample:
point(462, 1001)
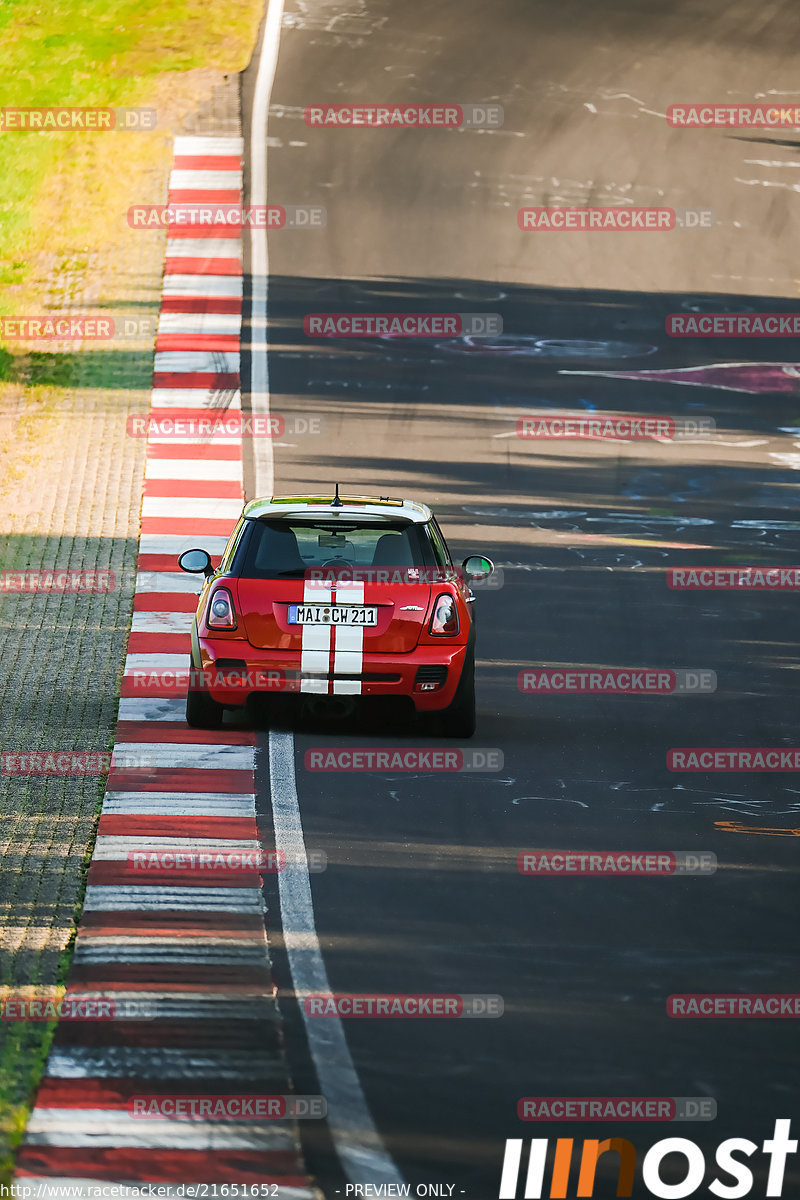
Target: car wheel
point(458, 720)
point(201, 711)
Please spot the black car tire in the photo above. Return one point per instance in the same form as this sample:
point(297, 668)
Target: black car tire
point(459, 718)
point(201, 711)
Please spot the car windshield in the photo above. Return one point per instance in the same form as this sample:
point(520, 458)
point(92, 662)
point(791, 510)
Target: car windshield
point(284, 549)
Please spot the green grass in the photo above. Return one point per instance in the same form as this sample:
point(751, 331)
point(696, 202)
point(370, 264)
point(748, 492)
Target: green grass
point(90, 53)
point(27, 1044)
point(65, 196)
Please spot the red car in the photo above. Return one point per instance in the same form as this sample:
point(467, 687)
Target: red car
point(335, 598)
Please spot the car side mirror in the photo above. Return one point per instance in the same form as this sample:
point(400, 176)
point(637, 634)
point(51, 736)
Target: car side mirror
point(476, 568)
point(196, 562)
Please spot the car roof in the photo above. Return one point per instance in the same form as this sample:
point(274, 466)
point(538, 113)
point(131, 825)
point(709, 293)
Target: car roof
point(350, 507)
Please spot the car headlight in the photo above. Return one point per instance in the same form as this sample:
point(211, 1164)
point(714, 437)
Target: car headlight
point(220, 613)
point(444, 622)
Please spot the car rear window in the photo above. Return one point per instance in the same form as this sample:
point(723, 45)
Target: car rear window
point(284, 549)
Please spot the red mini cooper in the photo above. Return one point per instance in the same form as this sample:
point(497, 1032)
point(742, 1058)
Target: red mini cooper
point(335, 599)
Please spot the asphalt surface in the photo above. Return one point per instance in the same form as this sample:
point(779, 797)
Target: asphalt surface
point(422, 892)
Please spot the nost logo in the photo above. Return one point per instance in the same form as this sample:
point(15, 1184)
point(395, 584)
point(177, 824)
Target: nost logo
point(729, 1158)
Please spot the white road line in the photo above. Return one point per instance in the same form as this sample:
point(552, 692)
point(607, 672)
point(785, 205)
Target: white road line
point(259, 251)
point(358, 1144)
point(360, 1149)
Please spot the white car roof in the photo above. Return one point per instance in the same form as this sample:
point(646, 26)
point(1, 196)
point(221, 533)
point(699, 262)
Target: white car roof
point(351, 507)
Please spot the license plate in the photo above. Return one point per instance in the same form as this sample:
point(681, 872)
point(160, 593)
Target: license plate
point(332, 614)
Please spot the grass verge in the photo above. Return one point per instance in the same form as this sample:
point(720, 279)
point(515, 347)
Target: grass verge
point(65, 201)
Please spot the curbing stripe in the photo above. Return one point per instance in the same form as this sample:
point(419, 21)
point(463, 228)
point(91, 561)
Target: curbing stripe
point(160, 937)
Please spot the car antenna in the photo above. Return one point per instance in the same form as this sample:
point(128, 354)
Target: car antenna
point(336, 502)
